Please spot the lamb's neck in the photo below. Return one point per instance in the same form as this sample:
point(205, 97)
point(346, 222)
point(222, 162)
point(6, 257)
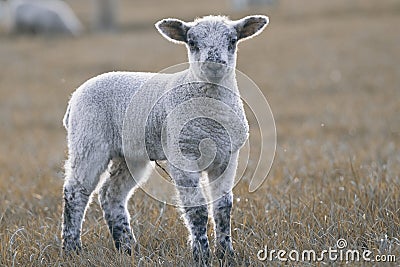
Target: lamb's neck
point(229, 81)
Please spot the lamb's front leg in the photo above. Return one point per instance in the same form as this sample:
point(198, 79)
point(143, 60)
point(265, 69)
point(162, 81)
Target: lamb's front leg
point(195, 213)
point(222, 220)
point(221, 181)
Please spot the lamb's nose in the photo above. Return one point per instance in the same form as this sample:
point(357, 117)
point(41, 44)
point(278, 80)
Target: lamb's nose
point(214, 66)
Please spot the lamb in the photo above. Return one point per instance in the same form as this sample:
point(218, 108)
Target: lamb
point(108, 116)
point(39, 17)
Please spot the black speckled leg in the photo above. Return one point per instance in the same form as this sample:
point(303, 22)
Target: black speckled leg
point(113, 196)
point(82, 176)
point(195, 213)
point(221, 180)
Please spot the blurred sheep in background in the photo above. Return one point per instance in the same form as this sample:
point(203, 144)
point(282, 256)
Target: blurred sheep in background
point(104, 14)
point(39, 17)
point(239, 5)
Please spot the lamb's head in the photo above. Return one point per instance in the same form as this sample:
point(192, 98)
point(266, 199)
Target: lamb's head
point(212, 41)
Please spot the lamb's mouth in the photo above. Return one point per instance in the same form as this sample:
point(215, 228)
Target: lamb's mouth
point(214, 71)
point(214, 77)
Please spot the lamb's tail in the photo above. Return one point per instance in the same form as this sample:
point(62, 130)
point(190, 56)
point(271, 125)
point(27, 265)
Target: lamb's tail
point(66, 117)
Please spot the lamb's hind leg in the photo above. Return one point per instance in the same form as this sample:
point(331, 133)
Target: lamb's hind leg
point(82, 176)
point(195, 213)
point(113, 196)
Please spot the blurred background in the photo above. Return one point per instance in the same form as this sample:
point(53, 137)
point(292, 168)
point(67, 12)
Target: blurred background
point(329, 69)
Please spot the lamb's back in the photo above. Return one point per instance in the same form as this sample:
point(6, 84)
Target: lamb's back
point(98, 106)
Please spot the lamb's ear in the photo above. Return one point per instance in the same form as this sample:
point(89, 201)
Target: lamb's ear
point(250, 26)
point(174, 30)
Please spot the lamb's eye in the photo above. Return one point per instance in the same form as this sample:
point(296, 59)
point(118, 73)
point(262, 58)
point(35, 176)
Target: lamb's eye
point(192, 44)
point(232, 43)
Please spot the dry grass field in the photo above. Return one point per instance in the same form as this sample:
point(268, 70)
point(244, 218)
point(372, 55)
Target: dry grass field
point(331, 73)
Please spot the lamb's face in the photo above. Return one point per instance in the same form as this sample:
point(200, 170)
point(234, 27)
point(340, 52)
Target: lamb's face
point(212, 42)
point(212, 49)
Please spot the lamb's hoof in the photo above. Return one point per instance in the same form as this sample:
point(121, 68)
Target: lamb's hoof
point(202, 256)
point(201, 260)
point(127, 246)
point(72, 247)
point(125, 249)
point(226, 257)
